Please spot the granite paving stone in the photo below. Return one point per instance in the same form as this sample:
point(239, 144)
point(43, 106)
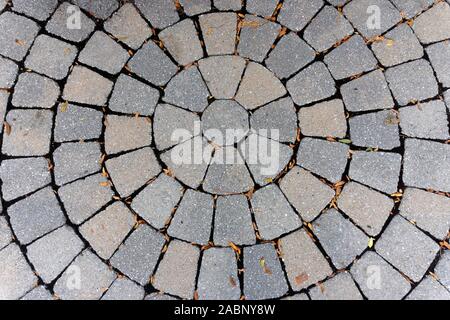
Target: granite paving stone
point(100, 9)
point(77, 123)
point(8, 73)
point(441, 269)
point(40, 10)
point(263, 8)
point(340, 287)
point(5, 233)
point(195, 7)
point(411, 8)
point(429, 289)
point(219, 32)
point(38, 294)
point(439, 54)
point(159, 13)
point(296, 14)
point(434, 24)
point(228, 4)
point(124, 289)
point(35, 91)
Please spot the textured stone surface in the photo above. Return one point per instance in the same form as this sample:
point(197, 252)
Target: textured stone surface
point(5, 233)
point(340, 287)
point(158, 12)
point(40, 10)
point(100, 9)
point(429, 289)
point(33, 90)
point(219, 32)
point(441, 269)
point(439, 54)
point(295, 14)
point(8, 73)
point(433, 25)
point(124, 289)
point(38, 294)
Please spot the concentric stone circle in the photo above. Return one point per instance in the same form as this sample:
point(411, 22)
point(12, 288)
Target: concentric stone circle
point(90, 185)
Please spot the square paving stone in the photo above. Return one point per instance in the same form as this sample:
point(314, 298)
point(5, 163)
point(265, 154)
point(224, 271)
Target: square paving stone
point(8, 73)
point(340, 238)
point(427, 120)
point(99, 46)
point(178, 269)
point(378, 170)
point(93, 193)
point(367, 208)
point(38, 294)
point(33, 90)
point(369, 92)
point(132, 170)
point(407, 248)
point(264, 8)
point(377, 279)
point(341, 287)
point(100, 9)
point(412, 81)
point(30, 133)
point(289, 55)
point(218, 277)
point(273, 214)
point(36, 215)
point(160, 13)
point(375, 130)
point(219, 32)
point(431, 212)
point(311, 84)
point(429, 289)
point(233, 221)
point(5, 233)
point(88, 87)
point(306, 193)
point(156, 202)
point(51, 254)
point(398, 45)
point(95, 278)
point(235, 5)
point(106, 231)
point(257, 37)
point(138, 256)
point(327, 28)
point(409, 8)
point(441, 269)
point(22, 176)
point(51, 57)
point(59, 26)
point(434, 24)
point(354, 50)
point(263, 276)
point(327, 159)
point(296, 14)
point(193, 219)
point(77, 123)
point(124, 289)
point(305, 264)
point(439, 55)
point(195, 7)
point(427, 165)
point(17, 35)
point(16, 276)
point(38, 9)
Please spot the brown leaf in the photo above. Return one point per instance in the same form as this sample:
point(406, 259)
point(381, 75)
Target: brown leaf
point(301, 278)
point(7, 128)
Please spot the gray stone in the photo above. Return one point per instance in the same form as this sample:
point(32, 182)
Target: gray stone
point(100, 9)
point(38, 294)
point(264, 8)
point(38, 9)
point(195, 7)
point(340, 287)
point(296, 14)
point(434, 24)
point(4, 100)
point(77, 123)
point(158, 296)
point(33, 90)
point(409, 9)
point(124, 289)
point(138, 256)
point(160, 13)
point(429, 289)
point(235, 5)
point(8, 73)
point(5, 233)
point(219, 32)
point(298, 296)
point(439, 54)
point(441, 269)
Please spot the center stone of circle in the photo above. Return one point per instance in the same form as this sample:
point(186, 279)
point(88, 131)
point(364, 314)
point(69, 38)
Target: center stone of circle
point(225, 122)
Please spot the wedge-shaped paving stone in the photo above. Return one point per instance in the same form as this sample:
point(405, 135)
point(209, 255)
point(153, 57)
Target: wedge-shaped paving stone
point(156, 202)
point(95, 278)
point(30, 133)
point(311, 84)
point(219, 32)
point(258, 87)
point(218, 277)
point(133, 97)
point(16, 276)
point(58, 23)
point(340, 238)
point(178, 269)
point(87, 86)
point(296, 14)
point(77, 123)
point(17, 35)
point(375, 130)
point(22, 176)
point(127, 26)
point(187, 90)
point(306, 193)
point(76, 160)
point(100, 9)
point(412, 81)
point(273, 214)
point(233, 221)
point(263, 276)
point(441, 269)
point(124, 289)
point(409, 8)
point(263, 8)
point(193, 219)
point(95, 192)
point(36, 215)
point(5, 233)
point(370, 92)
point(429, 289)
point(379, 170)
point(431, 212)
point(354, 50)
point(367, 208)
point(327, 159)
point(99, 46)
point(51, 254)
point(38, 294)
point(126, 133)
point(326, 119)
point(257, 37)
point(33, 90)
point(289, 55)
point(8, 73)
point(434, 24)
point(39, 10)
point(439, 54)
point(222, 75)
point(427, 165)
point(106, 231)
point(235, 5)
point(132, 170)
point(427, 120)
point(398, 45)
point(182, 42)
point(160, 13)
point(195, 7)
point(138, 256)
point(305, 264)
point(341, 287)
point(407, 248)
point(51, 57)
